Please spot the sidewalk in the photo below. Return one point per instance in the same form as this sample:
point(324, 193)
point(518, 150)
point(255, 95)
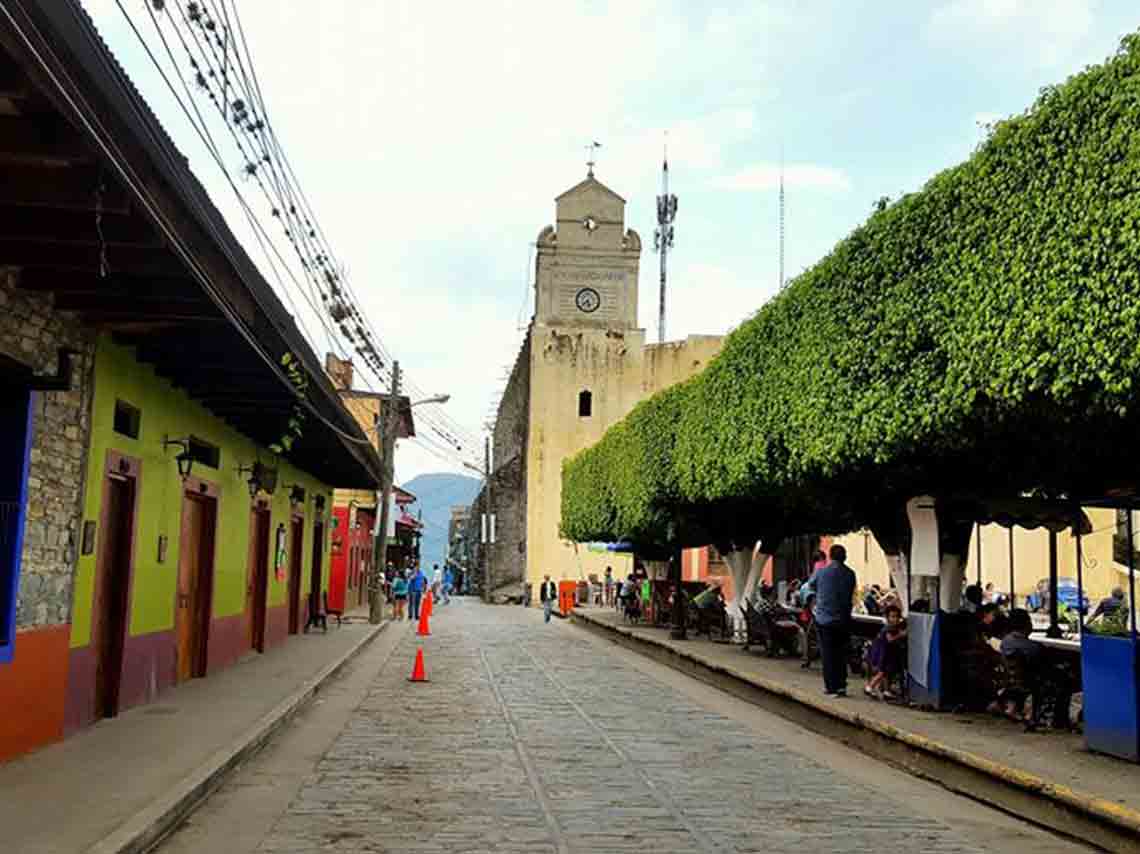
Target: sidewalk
point(118, 777)
point(1046, 766)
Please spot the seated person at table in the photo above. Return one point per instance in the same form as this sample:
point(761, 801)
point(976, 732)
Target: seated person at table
point(973, 599)
point(871, 600)
point(975, 664)
point(1018, 643)
point(792, 595)
point(709, 597)
point(1110, 604)
point(992, 622)
point(888, 655)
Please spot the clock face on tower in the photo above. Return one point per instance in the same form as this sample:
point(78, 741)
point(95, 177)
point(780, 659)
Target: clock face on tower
point(587, 300)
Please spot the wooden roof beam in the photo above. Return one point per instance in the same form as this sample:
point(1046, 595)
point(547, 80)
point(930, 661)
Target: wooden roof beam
point(77, 258)
point(44, 225)
point(42, 140)
point(79, 282)
point(64, 187)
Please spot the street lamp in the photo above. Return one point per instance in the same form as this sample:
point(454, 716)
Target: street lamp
point(439, 398)
point(388, 437)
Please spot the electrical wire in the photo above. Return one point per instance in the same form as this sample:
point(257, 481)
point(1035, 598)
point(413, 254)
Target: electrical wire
point(290, 194)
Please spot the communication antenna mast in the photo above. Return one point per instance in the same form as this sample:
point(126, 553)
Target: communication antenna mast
point(663, 236)
point(781, 286)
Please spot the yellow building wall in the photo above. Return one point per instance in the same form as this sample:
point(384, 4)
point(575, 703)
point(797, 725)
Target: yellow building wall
point(1030, 558)
point(619, 370)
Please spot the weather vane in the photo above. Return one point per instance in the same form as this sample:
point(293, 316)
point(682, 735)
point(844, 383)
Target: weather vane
point(591, 162)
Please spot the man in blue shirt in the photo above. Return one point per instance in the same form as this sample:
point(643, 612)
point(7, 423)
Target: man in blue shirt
point(416, 586)
point(834, 590)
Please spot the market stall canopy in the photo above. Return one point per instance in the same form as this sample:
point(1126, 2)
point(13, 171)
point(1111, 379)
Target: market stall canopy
point(1020, 512)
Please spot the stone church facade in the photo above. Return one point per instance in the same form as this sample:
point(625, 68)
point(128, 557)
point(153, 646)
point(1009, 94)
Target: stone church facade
point(583, 366)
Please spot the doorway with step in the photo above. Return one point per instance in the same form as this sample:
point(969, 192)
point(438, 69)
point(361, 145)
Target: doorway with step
point(296, 558)
point(195, 583)
point(110, 616)
point(315, 605)
point(258, 590)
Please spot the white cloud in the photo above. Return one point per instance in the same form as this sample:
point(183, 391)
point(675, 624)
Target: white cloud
point(1044, 33)
point(766, 176)
point(690, 310)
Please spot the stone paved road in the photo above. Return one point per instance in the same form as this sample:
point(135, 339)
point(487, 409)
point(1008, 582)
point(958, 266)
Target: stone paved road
point(533, 738)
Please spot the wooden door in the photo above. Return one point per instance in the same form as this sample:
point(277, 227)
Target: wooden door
point(195, 584)
point(259, 582)
point(315, 579)
point(296, 557)
point(112, 586)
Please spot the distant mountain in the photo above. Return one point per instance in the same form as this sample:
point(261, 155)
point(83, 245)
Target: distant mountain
point(436, 494)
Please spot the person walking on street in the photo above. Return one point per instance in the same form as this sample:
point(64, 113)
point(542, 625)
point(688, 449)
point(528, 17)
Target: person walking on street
point(400, 595)
point(436, 582)
point(445, 590)
point(416, 587)
point(834, 592)
point(547, 594)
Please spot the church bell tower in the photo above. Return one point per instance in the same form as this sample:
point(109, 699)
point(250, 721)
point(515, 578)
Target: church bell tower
point(586, 268)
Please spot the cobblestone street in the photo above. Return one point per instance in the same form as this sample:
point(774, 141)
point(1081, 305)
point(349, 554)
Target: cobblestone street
point(534, 738)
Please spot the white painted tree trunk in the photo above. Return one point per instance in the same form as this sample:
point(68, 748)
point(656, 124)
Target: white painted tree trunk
point(897, 564)
point(950, 582)
point(756, 569)
point(740, 565)
point(657, 570)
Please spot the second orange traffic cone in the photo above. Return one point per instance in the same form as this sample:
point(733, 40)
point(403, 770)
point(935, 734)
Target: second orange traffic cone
point(429, 602)
point(422, 628)
point(418, 674)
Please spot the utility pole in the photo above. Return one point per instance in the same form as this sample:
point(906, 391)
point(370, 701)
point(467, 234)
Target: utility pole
point(663, 238)
point(488, 522)
point(388, 458)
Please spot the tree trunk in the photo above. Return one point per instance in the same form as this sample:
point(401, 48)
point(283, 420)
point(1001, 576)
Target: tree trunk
point(740, 564)
point(897, 564)
point(756, 569)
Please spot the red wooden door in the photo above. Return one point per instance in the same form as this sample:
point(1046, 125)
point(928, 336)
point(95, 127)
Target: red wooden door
point(195, 584)
point(296, 557)
point(259, 582)
point(112, 586)
point(315, 579)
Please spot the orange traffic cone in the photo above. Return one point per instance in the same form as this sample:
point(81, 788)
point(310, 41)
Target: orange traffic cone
point(422, 628)
point(429, 602)
point(418, 674)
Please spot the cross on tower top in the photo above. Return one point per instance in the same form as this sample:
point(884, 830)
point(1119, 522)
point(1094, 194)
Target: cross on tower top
point(590, 161)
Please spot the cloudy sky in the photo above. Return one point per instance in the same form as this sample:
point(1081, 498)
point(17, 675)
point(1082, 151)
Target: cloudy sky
point(433, 137)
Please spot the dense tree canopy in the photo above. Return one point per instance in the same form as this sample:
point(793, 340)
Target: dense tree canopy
point(981, 335)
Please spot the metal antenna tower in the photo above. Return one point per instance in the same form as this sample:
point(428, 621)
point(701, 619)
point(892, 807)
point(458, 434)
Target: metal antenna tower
point(663, 236)
point(781, 286)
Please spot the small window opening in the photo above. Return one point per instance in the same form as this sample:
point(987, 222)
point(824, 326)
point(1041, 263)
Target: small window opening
point(205, 453)
point(127, 419)
point(585, 404)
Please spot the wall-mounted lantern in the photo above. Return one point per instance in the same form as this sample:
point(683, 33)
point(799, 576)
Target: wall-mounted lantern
point(184, 460)
point(261, 477)
point(296, 496)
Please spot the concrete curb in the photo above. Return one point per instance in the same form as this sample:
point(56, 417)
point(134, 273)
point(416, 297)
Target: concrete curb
point(1020, 793)
point(149, 826)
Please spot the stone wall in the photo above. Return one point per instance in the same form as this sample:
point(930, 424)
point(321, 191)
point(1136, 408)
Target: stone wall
point(509, 440)
point(32, 332)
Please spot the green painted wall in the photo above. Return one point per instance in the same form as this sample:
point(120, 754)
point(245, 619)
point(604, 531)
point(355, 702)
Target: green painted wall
point(167, 411)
